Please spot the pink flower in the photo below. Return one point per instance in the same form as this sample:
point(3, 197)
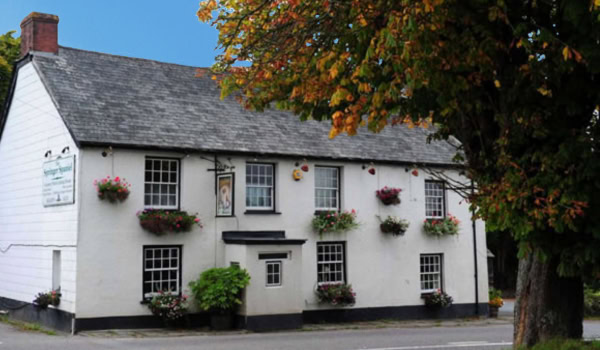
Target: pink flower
point(196, 220)
point(178, 226)
point(353, 211)
point(117, 179)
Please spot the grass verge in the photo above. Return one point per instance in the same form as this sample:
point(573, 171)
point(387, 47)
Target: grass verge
point(25, 326)
point(565, 344)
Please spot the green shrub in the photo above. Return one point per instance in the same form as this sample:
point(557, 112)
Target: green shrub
point(565, 344)
point(591, 302)
point(220, 289)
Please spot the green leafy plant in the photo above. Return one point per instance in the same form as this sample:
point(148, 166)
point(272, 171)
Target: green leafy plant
point(591, 302)
point(447, 226)
point(438, 299)
point(394, 225)
point(160, 222)
point(339, 294)
point(332, 221)
point(219, 289)
point(168, 306)
point(116, 189)
point(495, 297)
point(44, 299)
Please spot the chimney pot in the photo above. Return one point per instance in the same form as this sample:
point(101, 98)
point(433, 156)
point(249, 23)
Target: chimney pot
point(39, 32)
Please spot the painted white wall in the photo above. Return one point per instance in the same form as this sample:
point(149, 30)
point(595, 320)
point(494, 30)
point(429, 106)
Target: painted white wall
point(383, 270)
point(33, 127)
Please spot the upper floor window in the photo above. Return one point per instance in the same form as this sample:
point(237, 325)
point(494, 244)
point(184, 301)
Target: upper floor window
point(435, 206)
point(327, 188)
point(161, 183)
point(260, 186)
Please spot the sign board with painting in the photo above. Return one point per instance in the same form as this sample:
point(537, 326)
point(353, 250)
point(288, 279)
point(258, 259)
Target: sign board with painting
point(225, 195)
point(58, 186)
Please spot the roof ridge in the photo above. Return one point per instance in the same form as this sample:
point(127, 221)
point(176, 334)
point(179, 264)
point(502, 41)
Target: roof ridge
point(129, 57)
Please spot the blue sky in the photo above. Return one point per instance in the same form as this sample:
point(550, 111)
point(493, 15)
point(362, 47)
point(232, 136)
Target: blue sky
point(166, 31)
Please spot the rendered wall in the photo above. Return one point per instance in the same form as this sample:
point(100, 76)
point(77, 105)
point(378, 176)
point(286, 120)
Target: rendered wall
point(29, 232)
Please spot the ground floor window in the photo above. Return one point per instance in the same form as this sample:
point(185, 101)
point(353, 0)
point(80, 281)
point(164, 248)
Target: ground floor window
point(431, 272)
point(274, 273)
point(162, 269)
point(331, 264)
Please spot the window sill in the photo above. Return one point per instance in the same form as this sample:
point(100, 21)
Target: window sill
point(319, 212)
point(145, 302)
point(261, 212)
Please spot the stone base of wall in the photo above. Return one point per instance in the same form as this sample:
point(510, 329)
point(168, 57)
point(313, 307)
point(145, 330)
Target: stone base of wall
point(26, 312)
point(261, 323)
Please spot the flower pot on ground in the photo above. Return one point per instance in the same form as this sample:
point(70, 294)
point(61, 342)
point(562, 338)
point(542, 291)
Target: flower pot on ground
point(219, 291)
point(336, 294)
point(170, 307)
point(438, 300)
point(496, 301)
point(389, 195)
point(394, 225)
point(113, 190)
point(160, 221)
point(447, 226)
point(44, 299)
point(332, 221)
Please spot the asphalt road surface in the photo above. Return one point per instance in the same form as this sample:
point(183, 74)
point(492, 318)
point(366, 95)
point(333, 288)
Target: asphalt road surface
point(431, 338)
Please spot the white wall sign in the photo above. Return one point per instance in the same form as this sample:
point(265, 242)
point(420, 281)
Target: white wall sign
point(58, 186)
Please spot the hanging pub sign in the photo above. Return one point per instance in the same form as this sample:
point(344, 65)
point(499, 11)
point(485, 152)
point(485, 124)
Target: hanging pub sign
point(58, 186)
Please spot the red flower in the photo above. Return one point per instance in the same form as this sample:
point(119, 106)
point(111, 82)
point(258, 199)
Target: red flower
point(117, 179)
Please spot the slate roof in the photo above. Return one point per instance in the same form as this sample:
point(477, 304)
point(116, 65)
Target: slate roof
point(130, 102)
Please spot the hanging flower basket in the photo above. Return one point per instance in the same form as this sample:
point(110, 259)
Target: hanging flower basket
point(160, 221)
point(336, 294)
point(394, 225)
point(447, 226)
point(113, 190)
point(389, 195)
point(332, 221)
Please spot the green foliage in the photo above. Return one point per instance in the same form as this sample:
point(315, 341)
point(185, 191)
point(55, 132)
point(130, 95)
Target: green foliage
point(447, 226)
point(394, 225)
point(219, 289)
point(160, 221)
point(494, 293)
point(332, 221)
point(515, 82)
point(591, 302)
point(565, 344)
point(44, 299)
point(438, 299)
point(9, 53)
point(337, 294)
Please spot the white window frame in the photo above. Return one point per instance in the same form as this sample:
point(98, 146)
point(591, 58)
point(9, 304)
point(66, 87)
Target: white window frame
point(431, 265)
point(270, 187)
point(153, 288)
point(161, 183)
point(278, 274)
point(336, 188)
point(435, 199)
point(327, 264)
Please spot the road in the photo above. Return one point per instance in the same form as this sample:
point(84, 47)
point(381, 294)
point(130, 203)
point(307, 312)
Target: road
point(447, 338)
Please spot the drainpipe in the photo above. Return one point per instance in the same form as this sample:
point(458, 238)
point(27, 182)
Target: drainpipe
point(475, 253)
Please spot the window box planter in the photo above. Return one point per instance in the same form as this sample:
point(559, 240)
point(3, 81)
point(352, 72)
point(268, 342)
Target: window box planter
point(332, 221)
point(437, 300)
point(394, 225)
point(447, 226)
point(160, 222)
point(336, 294)
point(170, 307)
point(113, 190)
point(43, 300)
point(389, 195)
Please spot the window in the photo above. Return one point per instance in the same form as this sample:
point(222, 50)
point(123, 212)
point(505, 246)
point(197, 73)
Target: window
point(161, 183)
point(273, 273)
point(330, 263)
point(56, 269)
point(162, 270)
point(259, 186)
point(327, 188)
point(434, 199)
point(431, 272)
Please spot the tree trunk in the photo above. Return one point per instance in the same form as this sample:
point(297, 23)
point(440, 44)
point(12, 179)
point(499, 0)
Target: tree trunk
point(548, 306)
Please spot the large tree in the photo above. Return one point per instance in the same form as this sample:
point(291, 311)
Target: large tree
point(9, 53)
point(515, 81)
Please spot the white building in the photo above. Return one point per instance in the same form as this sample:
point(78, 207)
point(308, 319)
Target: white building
point(167, 132)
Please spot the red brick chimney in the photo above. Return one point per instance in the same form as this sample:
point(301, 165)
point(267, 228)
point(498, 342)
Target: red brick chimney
point(39, 32)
